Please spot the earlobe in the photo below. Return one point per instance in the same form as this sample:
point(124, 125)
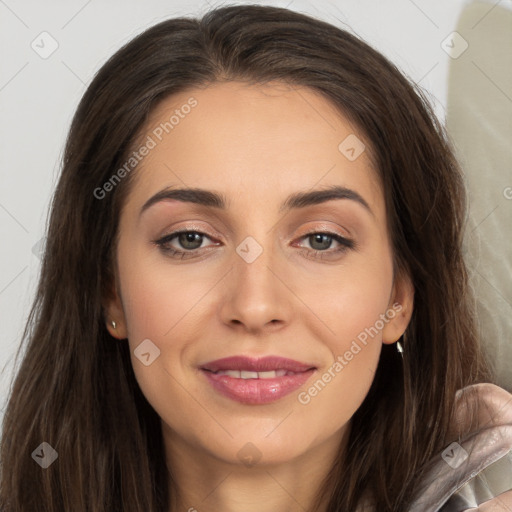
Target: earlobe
point(400, 309)
point(114, 315)
point(116, 330)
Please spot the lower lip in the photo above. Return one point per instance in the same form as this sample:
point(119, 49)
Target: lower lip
point(257, 391)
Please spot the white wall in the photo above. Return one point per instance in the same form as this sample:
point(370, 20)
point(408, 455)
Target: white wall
point(38, 97)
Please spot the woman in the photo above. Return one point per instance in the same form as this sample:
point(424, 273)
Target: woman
point(253, 294)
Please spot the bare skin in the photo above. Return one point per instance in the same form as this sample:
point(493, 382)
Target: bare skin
point(255, 145)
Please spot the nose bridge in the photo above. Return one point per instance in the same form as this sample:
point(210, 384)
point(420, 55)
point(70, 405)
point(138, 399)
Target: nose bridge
point(253, 262)
point(255, 295)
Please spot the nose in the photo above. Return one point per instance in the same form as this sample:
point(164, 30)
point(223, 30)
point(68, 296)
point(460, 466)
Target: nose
point(256, 297)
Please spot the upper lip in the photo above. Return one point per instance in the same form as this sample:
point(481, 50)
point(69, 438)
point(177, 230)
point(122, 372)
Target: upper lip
point(263, 364)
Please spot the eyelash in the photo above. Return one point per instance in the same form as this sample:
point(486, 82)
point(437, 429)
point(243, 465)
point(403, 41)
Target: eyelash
point(345, 244)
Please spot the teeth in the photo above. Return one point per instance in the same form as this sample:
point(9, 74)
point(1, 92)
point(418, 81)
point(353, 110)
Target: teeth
point(268, 375)
point(248, 375)
point(244, 374)
point(230, 373)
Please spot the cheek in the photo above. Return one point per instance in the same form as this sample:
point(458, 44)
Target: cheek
point(162, 306)
point(352, 310)
point(156, 299)
point(166, 306)
point(355, 343)
point(351, 302)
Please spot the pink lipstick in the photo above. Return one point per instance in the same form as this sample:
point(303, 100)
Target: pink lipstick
point(256, 381)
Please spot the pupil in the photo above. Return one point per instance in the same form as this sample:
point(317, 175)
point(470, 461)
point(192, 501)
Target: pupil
point(190, 238)
point(321, 237)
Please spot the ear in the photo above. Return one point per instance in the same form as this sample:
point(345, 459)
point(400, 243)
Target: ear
point(114, 311)
point(400, 308)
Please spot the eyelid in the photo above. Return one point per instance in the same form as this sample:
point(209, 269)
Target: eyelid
point(191, 227)
point(317, 228)
point(344, 244)
point(323, 226)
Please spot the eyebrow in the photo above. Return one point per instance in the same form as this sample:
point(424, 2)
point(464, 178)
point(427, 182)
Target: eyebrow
point(293, 201)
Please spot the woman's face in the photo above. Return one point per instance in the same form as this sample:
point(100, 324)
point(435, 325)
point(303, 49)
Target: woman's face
point(270, 268)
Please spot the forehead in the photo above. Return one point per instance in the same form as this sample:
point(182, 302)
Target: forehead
point(253, 141)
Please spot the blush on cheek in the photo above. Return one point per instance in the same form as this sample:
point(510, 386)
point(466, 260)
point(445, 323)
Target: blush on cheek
point(154, 303)
point(354, 314)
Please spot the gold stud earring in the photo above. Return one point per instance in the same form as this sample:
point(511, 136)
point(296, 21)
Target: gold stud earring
point(114, 325)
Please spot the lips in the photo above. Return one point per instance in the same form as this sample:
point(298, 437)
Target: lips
point(256, 381)
point(265, 364)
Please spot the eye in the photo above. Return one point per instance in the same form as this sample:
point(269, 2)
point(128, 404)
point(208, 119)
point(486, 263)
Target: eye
point(321, 242)
point(190, 241)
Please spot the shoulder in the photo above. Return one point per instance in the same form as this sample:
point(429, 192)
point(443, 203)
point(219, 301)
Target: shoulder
point(475, 472)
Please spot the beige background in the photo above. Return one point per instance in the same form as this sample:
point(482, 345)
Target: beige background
point(479, 119)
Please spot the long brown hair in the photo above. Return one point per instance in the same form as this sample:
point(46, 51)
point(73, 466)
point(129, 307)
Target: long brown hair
point(75, 388)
